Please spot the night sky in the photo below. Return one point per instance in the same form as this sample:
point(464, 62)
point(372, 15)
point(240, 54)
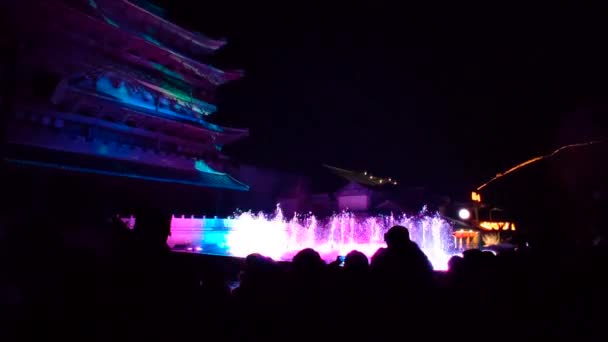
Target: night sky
point(437, 95)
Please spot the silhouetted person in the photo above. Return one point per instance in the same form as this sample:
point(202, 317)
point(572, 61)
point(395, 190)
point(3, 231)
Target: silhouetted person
point(257, 280)
point(336, 264)
point(402, 260)
point(153, 284)
point(356, 263)
point(152, 228)
point(259, 296)
point(309, 287)
point(455, 271)
point(401, 272)
point(454, 262)
point(214, 296)
point(354, 286)
point(307, 262)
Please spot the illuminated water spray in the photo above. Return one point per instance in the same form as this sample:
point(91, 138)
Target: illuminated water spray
point(281, 238)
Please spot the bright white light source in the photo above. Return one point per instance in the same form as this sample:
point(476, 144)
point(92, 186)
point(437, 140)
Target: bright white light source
point(464, 214)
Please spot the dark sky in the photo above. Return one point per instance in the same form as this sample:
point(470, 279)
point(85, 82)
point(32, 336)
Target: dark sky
point(441, 95)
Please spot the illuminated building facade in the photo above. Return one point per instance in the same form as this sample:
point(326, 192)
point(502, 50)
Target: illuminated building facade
point(111, 87)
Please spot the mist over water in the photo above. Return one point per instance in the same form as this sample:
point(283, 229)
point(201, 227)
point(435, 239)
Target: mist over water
point(281, 237)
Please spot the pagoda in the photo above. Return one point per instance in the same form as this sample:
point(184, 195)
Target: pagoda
point(112, 87)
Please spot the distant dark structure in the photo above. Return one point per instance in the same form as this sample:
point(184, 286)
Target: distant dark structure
point(560, 201)
point(361, 193)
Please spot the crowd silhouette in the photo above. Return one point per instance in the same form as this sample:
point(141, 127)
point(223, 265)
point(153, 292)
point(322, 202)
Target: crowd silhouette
point(135, 287)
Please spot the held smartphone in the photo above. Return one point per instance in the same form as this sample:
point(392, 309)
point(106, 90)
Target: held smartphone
point(341, 258)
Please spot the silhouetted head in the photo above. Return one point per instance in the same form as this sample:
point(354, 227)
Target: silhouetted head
point(397, 236)
point(307, 261)
point(488, 254)
point(256, 262)
point(356, 262)
point(152, 227)
point(253, 259)
point(472, 254)
point(454, 262)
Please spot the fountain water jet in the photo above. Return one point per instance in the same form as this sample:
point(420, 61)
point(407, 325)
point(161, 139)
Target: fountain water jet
point(281, 238)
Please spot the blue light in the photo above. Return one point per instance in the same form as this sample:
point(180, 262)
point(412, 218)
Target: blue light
point(236, 185)
point(103, 150)
point(167, 71)
point(104, 85)
point(110, 21)
point(151, 40)
point(201, 166)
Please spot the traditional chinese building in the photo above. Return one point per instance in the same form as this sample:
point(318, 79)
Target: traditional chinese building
point(359, 192)
point(112, 88)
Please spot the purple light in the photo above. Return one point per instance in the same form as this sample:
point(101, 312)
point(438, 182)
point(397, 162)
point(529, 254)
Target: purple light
point(281, 239)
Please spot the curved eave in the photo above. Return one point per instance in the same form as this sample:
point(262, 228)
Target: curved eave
point(352, 176)
point(207, 72)
point(32, 156)
point(80, 63)
point(217, 76)
point(212, 74)
point(222, 136)
point(199, 40)
point(176, 96)
point(203, 125)
point(117, 127)
point(361, 177)
point(231, 135)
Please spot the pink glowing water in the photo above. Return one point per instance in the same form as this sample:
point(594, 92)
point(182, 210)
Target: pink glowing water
point(280, 238)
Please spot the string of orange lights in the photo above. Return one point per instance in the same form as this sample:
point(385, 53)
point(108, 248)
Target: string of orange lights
point(535, 159)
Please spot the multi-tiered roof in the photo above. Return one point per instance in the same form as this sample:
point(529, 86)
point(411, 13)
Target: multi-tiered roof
point(129, 86)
